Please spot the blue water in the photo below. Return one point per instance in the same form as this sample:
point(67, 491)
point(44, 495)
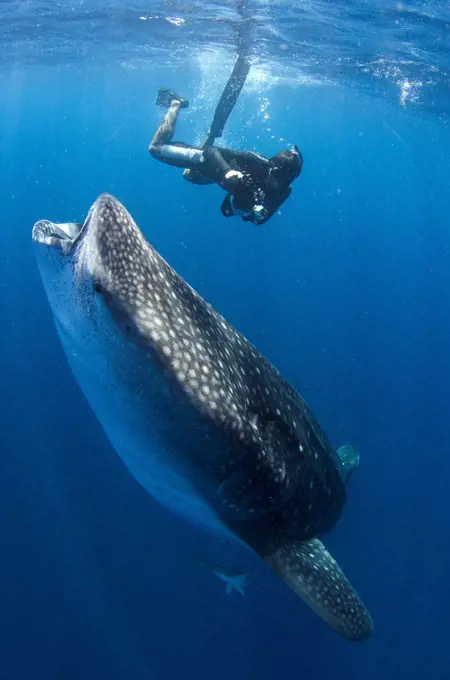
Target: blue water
point(347, 292)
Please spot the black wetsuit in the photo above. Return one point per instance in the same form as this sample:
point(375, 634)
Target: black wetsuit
point(257, 187)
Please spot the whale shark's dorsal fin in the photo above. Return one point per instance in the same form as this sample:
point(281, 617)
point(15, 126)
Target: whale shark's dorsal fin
point(349, 458)
point(312, 573)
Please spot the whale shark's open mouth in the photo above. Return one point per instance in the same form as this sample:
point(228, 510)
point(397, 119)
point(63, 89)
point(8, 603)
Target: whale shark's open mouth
point(61, 236)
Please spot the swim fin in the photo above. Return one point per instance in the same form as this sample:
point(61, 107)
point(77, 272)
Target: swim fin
point(166, 97)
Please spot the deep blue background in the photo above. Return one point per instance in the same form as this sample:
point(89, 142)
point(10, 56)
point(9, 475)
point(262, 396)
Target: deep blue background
point(347, 292)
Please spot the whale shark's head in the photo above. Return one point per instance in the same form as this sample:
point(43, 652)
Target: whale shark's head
point(99, 277)
point(84, 266)
point(104, 252)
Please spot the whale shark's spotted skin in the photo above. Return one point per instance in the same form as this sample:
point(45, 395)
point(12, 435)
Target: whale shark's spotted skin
point(204, 422)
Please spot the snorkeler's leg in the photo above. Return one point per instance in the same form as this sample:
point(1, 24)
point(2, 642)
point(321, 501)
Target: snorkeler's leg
point(179, 155)
point(166, 130)
point(224, 108)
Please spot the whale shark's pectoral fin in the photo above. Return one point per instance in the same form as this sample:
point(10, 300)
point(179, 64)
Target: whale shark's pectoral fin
point(309, 569)
point(349, 458)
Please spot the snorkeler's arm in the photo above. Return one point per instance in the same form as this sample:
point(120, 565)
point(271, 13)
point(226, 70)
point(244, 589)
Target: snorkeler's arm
point(215, 163)
point(217, 167)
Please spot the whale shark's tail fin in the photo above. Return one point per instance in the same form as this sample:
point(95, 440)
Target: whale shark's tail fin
point(309, 569)
point(349, 458)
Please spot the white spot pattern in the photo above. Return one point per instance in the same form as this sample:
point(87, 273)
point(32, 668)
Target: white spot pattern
point(227, 380)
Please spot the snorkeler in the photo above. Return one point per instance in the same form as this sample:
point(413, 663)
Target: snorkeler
point(256, 186)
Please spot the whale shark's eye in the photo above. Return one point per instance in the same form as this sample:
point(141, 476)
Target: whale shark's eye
point(97, 286)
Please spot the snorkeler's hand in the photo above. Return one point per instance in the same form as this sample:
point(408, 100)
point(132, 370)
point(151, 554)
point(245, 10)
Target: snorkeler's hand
point(233, 178)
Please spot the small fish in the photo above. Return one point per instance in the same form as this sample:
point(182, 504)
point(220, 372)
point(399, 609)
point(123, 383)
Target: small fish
point(234, 579)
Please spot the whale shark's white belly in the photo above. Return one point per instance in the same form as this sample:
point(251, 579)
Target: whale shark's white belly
point(131, 401)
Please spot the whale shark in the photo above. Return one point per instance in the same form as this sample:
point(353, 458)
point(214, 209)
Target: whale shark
point(201, 419)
